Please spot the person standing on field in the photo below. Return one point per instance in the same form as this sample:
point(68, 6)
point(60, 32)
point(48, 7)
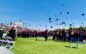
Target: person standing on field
point(12, 33)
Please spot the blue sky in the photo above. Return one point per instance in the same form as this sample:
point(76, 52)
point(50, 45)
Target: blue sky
point(37, 12)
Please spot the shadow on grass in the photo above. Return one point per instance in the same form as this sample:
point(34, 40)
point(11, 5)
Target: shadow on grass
point(68, 46)
point(71, 47)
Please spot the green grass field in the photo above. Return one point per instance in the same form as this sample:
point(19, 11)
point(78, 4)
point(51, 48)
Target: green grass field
point(30, 46)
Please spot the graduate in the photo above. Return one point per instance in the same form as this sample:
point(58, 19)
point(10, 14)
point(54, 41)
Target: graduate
point(12, 33)
point(46, 35)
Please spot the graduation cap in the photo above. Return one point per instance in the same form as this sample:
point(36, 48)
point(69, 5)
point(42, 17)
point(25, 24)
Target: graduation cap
point(82, 14)
point(51, 26)
point(57, 19)
point(49, 18)
point(50, 21)
point(60, 13)
point(67, 12)
point(63, 22)
point(70, 24)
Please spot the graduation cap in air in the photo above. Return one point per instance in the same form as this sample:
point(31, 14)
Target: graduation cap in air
point(70, 24)
point(51, 26)
point(60, 13)
point(67, 12)
point(57, 19)
point(82, 14)
point(49, 18)
point(50, 21)
point(63, 22)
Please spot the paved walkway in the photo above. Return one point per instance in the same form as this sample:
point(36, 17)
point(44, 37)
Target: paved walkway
point(4, 50)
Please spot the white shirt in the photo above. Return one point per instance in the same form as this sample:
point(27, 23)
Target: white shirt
point(4, 35)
